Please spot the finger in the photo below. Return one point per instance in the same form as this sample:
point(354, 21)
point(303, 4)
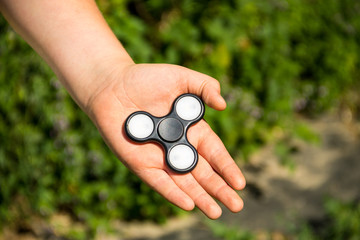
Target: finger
point(201, 198)
point(210, 146)
point(216, 186)
point(161, 182)
point(206, 87)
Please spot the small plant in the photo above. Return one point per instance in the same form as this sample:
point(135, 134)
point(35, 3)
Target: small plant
point(229, 233)
point(342, 221)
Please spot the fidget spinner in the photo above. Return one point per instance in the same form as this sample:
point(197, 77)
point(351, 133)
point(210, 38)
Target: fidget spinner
point(170, 131)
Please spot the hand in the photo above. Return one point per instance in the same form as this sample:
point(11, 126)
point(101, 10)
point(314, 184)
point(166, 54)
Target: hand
point(153, 88)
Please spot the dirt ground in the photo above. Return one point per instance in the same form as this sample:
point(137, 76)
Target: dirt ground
point(279, 199)
point(276, 198)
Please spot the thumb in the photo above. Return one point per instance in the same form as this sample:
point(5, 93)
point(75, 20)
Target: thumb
point(206, 87)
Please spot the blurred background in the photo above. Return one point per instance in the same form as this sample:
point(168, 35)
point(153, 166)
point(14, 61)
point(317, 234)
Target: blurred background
point(289, 70)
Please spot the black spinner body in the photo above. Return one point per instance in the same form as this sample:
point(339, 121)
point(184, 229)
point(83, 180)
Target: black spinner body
point(171, 131)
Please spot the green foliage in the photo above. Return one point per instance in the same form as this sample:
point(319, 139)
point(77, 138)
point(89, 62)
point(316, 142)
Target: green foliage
point(273, 58)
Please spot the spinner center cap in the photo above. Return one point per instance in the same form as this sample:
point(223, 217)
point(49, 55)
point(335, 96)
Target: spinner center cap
point(170, 129)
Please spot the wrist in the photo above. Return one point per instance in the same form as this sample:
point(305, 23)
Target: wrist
point(86, 85)
point(105, 78)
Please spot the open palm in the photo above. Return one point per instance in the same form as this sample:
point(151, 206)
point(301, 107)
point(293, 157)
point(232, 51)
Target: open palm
point(153, 88)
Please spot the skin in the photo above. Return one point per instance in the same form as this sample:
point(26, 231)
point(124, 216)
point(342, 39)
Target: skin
point(75, 40)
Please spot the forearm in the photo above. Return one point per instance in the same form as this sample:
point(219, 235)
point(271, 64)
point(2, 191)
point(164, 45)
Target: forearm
point(74, 39)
